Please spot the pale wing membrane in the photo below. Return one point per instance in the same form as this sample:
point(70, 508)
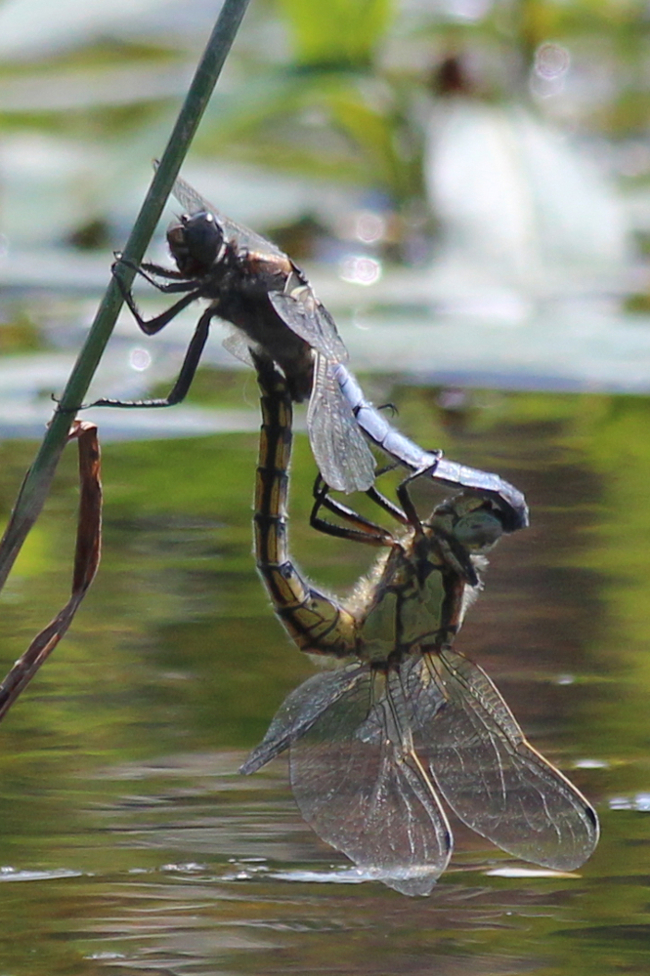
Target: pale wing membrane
point(239, 346)
point(192, 202)
point(490, 776)
point(309, 319)
point(363, 791)
point(189, 198)
point(299, 711)
point(342, 454)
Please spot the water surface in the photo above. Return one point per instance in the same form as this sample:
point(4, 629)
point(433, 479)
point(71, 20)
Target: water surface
point(129, 842)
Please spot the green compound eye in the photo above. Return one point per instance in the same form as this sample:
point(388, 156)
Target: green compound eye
point(478, 530)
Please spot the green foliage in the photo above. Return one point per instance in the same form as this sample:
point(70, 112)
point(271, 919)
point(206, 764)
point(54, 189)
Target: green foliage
point(340, 32)
point(342, 125)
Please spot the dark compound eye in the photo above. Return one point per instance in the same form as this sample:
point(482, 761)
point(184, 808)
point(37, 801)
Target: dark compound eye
point(203, 238)
point(196, 243)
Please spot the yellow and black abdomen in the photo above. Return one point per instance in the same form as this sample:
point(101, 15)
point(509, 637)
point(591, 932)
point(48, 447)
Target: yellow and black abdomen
point(317, 624)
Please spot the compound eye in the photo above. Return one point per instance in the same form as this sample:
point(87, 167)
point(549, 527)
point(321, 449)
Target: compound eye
point(203, 238)
point(478, 531)
point(196, 243)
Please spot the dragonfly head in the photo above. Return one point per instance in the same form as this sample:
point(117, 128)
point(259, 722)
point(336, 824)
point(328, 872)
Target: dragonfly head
point(197, 243)
point(475, 521)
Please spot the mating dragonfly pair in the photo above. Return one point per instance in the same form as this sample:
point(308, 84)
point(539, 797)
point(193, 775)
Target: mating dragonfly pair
point(254, 286)
point(404, 719)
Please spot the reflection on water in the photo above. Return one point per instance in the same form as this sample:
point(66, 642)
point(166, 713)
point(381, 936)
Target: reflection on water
point(129, 842)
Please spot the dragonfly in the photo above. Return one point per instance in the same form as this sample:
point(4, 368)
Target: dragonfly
point(252, 284)
point(398, 447)
point(405, 723)
point(256, 287)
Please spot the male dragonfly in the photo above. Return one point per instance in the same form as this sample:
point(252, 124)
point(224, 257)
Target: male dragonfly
point(253, 285)
point(405, 720)
point(398, 447)
point(257, 288)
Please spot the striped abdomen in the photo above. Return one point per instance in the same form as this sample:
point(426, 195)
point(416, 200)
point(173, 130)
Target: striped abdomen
point(318, 624)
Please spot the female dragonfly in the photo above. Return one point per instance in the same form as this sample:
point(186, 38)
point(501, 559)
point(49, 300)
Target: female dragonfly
point(405, 721)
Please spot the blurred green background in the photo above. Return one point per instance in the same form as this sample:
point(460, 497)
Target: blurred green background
point(467, 186)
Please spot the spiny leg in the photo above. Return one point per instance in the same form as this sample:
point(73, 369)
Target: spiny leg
point(363, 530)
point(359, 529)
point(177, 281)
point(455, 553)
point(385, 503)
point(158, 322)
point(150, 271)
point(188, 371)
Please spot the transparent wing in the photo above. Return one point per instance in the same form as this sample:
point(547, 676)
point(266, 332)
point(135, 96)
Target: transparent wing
point(298, 307)
point(301, 311)
point(239, 345)
point(342, 454)
point(359, 784)
point(192, 202)
point(488, 773)
point(299, 711)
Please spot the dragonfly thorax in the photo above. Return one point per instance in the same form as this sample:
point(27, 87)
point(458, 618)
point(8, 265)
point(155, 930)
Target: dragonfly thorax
point(197, 243)
point(412, 602)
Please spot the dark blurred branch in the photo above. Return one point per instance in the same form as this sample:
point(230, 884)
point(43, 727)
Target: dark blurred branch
point(86, 561)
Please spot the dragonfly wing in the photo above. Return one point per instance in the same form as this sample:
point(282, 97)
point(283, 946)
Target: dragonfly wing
point(299, 711)
point(242, 236)
point(301, 311)
point(238, 345)
point(367, 795)
point(490, 775)
point(342, 454)
point(189, 198)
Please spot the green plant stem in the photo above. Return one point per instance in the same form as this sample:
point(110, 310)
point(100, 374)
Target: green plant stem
point(37, 481)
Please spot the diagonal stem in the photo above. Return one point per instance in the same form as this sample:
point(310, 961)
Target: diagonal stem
point(38, 478)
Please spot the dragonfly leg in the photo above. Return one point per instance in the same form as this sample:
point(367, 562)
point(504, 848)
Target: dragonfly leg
point(359, 529)
point(150, 272)
point(390, 507)
point(406, 501)
point(158, 322)
point(185, 377)
point(454, 552)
